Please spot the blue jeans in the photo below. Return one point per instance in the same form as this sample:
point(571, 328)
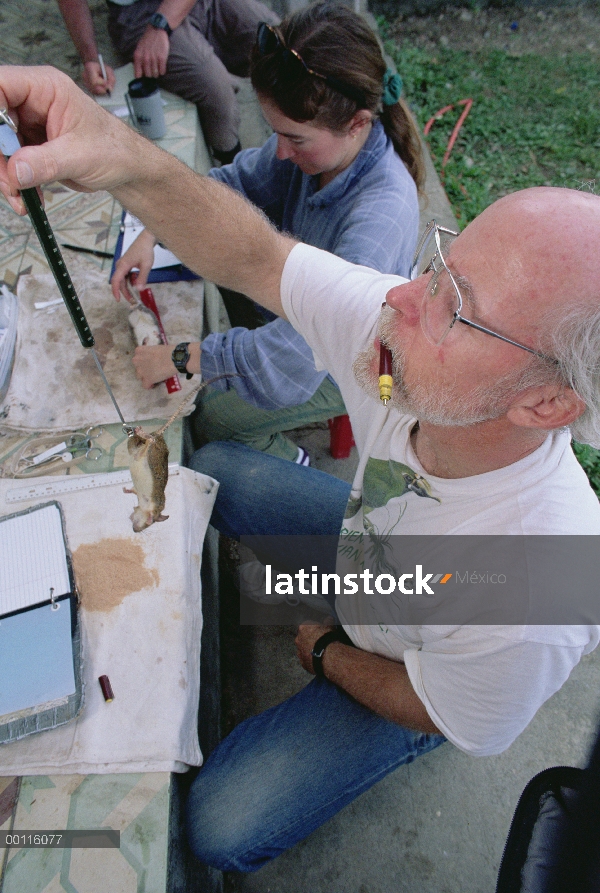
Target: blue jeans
point(281, 774)
point(264, 495)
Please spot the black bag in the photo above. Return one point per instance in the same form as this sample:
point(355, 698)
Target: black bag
point(553, 845)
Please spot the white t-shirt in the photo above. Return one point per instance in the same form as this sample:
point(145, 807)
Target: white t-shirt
point(481, 685)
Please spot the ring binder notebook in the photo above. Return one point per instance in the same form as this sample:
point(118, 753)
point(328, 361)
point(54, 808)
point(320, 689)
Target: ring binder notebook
point(40, 642)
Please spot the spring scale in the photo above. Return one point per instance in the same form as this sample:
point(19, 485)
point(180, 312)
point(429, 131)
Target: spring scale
point(9, 144)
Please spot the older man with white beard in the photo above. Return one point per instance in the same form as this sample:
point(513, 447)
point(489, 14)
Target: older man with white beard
point(496, 349)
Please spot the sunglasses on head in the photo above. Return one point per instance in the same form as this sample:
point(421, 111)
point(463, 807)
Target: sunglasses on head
point(269, 42)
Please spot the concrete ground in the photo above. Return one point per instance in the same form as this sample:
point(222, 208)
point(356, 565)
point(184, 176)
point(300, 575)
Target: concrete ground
point(436, 826)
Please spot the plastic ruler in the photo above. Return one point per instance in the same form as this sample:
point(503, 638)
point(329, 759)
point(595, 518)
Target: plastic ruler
point(27, 492)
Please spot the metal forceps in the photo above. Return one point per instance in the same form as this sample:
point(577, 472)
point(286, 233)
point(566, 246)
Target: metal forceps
point(81, 442)
point(84, 443)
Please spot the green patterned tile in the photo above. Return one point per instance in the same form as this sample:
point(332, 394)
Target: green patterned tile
point(135, 805)
point(34, 33)
point(112, 442)
point(9, 791)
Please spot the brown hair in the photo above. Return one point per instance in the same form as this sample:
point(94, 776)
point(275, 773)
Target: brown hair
point(336, 42)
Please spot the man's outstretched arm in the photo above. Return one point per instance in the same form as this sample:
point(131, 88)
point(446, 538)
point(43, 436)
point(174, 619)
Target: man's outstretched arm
point(68, 137)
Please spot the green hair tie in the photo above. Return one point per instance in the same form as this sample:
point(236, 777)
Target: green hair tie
point(392, 87)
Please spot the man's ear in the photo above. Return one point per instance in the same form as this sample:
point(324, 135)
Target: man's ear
point(360, 119)
point(546, 407)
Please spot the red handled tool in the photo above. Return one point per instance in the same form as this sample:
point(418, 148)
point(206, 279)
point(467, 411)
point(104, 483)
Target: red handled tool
point(147, 298)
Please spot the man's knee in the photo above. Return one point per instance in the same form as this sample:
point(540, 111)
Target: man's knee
point(208, 86)
point(229, 824)
point(213, 459)
point(214, 834)
point(229, 463)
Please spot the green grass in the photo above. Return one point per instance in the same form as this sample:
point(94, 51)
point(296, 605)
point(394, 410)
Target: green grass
point(589, 459)
point(535, 121)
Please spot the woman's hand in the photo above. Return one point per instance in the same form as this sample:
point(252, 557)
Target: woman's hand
point(153, 364)
point(139, 255)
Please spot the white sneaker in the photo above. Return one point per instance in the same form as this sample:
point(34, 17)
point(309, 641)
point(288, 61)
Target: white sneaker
point(302, 458)
point(252, 583)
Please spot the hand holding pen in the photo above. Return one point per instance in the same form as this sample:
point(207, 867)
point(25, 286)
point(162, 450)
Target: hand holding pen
point(98, 77)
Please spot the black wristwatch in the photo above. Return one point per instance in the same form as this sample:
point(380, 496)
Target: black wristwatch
point(337, 634)
point(181, 357)
point(159, 22)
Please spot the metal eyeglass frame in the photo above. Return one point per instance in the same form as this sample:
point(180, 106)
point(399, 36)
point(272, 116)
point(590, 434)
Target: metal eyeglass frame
point(433, 229)
point(268, 42)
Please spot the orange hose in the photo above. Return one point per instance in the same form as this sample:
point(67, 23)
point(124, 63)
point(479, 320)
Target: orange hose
point(467, 108)
point(436, 117)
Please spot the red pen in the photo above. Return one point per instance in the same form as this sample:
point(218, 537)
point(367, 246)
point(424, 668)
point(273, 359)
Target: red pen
point(385, 372)
point(147, 298)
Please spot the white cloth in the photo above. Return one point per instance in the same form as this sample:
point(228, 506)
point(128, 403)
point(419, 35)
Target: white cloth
point(480, 685)
point(148, 644)
point(55, 382)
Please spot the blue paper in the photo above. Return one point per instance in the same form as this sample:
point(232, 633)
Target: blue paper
point(36, 657)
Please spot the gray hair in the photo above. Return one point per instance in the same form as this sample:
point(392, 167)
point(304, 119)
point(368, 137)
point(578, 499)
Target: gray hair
point(575, 343)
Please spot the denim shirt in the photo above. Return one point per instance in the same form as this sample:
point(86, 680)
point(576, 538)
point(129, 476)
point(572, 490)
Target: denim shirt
point(368, 215)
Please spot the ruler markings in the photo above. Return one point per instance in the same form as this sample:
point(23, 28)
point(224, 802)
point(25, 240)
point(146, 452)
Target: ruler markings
point(73, 483)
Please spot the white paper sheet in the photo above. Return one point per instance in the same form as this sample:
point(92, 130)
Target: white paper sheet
point(33, 560)
point(162, 256)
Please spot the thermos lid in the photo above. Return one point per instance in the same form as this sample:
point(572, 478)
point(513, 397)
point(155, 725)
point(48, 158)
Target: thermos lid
point(142, 87)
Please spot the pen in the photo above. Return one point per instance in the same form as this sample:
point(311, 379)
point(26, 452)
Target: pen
point(93, 251)
point(385, 372)
point(103, 70)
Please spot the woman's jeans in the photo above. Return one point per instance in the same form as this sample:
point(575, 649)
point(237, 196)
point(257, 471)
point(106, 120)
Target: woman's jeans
point(281, 774)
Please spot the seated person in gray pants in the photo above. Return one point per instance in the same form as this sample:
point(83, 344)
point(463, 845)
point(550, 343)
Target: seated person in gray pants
point(191, 47)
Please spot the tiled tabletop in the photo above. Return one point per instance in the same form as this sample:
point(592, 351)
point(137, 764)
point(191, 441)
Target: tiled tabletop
point(136, 805)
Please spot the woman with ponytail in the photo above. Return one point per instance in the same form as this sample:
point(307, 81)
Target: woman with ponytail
point(342, 172)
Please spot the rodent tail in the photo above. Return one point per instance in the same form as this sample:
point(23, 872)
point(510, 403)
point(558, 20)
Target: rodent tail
point(192, 395)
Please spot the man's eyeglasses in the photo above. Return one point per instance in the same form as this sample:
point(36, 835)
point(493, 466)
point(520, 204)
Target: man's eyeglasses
point(442, 307)
point(292, 64)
